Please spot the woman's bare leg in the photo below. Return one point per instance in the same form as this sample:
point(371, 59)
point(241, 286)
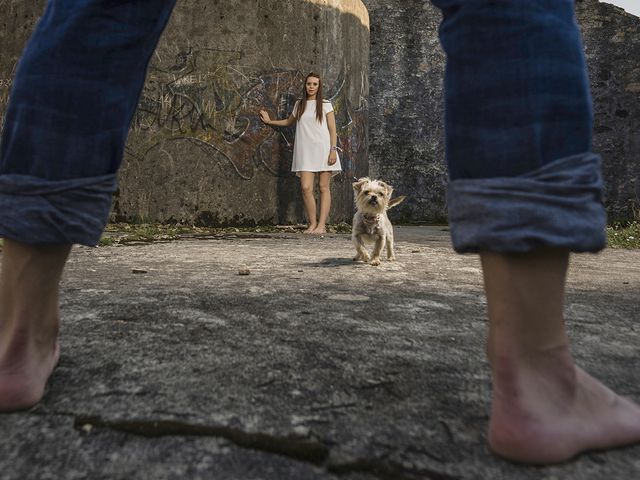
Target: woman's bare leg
point(307, 180)
point(544, 408)
point(324, 184)
point(29, 321)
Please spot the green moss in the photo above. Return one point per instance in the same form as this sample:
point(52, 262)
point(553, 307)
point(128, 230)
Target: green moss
point(625, 235)
point(132, 233)
point(107, 241)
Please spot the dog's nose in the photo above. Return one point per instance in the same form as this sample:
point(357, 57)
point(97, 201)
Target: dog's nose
point(373, 200)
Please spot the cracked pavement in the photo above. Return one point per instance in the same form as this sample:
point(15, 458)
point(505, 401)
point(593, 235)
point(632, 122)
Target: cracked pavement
point(310, 367)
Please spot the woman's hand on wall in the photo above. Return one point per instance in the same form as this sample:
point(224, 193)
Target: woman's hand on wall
point(264, 116)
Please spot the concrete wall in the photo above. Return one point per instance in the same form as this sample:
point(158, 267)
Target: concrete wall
point(197, 151)
point(612, 45)
point(16, 24)
point(406, 145)
point(406, 103)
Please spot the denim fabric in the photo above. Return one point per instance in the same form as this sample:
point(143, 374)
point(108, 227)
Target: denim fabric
point(518, 122)
point(517, 94)
point(74, 94)
point(556, 205)
point(40, 211)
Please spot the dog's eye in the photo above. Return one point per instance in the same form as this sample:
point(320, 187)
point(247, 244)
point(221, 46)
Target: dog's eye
point(366, 192)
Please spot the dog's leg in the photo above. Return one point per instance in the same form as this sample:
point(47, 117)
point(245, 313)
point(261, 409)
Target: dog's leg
point(361, 252)
point(390, 253)
point(377, 250)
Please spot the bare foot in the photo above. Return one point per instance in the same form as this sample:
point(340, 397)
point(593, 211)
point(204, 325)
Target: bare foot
point(310, 229)
point(553, 411)
point(319, 230)
point(29, 349)
point(23, 382)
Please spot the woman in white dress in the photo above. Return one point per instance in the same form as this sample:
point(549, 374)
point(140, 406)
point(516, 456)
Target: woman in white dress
point(315, 150)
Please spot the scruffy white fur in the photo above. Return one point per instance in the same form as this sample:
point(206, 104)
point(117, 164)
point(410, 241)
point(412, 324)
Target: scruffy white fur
point(370, 222)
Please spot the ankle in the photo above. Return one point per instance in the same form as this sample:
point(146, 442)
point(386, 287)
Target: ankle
point(522, 348)
point(555, 365)
point(27, 340)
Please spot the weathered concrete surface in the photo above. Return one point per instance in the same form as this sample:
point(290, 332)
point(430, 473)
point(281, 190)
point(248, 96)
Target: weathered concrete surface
point(612, 46)
point(16, 24)
point(197, 151)
point(406, 103)
point(311, 367)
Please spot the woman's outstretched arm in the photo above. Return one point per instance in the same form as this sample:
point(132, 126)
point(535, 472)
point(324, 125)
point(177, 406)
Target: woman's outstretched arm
point(264, 116)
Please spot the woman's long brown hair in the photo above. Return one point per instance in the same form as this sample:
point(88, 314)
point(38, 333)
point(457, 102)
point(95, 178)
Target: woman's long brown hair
point(302, 104)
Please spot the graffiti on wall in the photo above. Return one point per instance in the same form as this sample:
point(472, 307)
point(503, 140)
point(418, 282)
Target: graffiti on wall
point(4, 99)
point(5, 88)
point(203, 98)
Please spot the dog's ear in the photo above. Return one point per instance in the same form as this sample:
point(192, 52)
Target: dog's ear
point(388, 189)
point(357, 186)
point(396, 201)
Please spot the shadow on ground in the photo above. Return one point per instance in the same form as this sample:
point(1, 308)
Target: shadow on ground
point(310, 367)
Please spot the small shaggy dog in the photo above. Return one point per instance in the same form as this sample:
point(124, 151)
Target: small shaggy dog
point(370, 222)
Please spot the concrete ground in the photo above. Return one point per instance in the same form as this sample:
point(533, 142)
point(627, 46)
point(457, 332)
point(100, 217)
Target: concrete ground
point(311, 367)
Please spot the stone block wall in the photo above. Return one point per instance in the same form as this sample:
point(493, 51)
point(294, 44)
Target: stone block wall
point(612, 47)
point(406, 104)
point(406, 133)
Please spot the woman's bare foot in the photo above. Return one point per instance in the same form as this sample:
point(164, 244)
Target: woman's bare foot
point(29, 321)
point(551, 411)
point(310, 229)
point(319, 230)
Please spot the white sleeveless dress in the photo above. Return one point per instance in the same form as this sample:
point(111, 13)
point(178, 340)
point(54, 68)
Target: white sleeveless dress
point(312, 143)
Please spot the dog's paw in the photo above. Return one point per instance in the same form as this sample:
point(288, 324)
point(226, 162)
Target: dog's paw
point(375, 261)
point(361, 257)
point(392, 258)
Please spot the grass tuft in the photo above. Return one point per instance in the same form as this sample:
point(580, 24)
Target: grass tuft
point(127, 233)
point(625, 235)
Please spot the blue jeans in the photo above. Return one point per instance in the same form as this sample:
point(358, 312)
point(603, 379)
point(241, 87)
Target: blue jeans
point(518, 128)
point(518, 122)
point(74, 94)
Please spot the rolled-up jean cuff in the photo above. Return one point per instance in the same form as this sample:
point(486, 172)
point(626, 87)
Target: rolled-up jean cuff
point(558, 205)
point(37, 211)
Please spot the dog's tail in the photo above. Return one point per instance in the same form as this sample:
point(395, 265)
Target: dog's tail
point(396, 201)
